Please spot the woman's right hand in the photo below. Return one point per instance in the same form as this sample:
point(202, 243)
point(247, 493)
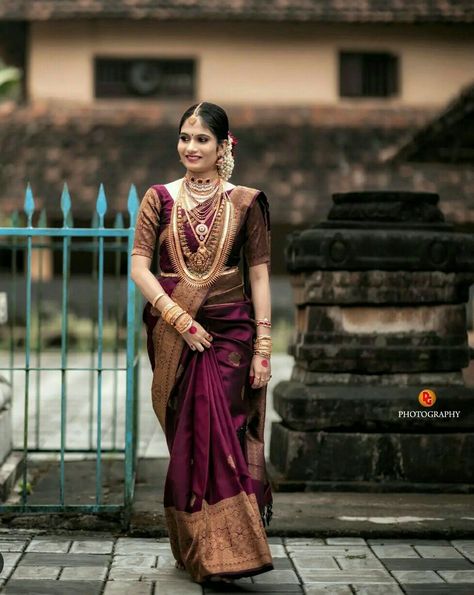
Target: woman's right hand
point(199, 339)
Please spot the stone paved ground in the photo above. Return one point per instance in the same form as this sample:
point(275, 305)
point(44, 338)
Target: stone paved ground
point(37, 564)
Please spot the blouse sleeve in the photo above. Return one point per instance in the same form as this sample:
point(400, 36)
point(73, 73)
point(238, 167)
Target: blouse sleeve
point(146, 228)
point(257, 246)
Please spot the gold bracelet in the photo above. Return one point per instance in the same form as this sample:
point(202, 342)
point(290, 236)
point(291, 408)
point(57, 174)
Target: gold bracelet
point(157, 297)
point(169, 314)
point(180, 314)
point(174, 317)
point(263, 353)
point(167, 307)
point(262, 343)
point(184, 323)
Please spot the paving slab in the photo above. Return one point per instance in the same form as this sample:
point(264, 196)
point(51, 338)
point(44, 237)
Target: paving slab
point(125, 588)
point(327, 590)
point(439, 589)
point(416, 576)
point(48, 587)
point(377, 590)
point(46, 559)
point(427, 564)
point(49, 545)
point(436, 551)
point(335, 565)
point(458, 576)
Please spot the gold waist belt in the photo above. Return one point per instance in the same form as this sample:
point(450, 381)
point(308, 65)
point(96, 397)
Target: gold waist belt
point(225, 272)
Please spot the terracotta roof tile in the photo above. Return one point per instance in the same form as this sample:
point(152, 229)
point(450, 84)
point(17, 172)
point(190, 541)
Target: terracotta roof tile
point(252, 10)
point(312, 152)
point(447, 138)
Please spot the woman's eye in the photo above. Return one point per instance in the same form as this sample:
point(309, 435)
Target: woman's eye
point(183, 137)
point(203, 139)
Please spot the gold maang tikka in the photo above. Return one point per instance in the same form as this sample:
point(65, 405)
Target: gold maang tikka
point(194, 115)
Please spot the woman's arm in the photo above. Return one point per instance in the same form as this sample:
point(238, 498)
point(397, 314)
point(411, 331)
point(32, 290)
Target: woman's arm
point(261, 297)
point(260, 368)
point(151, 287)
point(147, 283)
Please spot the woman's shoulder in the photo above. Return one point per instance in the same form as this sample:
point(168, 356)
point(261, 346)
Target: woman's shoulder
point(255, 196)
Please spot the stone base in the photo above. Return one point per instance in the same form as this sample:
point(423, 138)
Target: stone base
point(395, 459)
point(362, 408)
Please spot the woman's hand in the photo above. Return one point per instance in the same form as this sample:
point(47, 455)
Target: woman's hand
point(260, 371)
point(197, 337)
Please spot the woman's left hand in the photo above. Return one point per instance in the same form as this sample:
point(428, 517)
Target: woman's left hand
point(260, 371)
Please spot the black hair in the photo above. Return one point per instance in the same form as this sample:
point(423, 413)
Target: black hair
point(213, 115)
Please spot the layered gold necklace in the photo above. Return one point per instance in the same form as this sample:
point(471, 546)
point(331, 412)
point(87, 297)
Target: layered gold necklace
point(197, 201)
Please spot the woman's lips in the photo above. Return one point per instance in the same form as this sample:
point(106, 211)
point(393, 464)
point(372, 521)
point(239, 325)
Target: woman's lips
point(192, 158)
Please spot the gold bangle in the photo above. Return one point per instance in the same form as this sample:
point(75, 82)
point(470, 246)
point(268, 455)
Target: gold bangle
point(167, 307)
point(174, 317)
point(157, 297)
point(184, 323)
point(169, 314)
point(166, 317)
point(263, 343)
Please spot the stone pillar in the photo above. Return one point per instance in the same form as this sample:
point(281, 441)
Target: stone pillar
point(380, 290)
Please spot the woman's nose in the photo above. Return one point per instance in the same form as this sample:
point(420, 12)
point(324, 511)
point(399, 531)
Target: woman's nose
point(192, 146)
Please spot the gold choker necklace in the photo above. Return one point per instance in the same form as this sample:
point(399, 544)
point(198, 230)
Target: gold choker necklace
point(201, 185)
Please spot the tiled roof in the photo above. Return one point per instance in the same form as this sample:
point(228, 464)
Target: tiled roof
point(447, 138)
point(310, 153)
point(403, 11)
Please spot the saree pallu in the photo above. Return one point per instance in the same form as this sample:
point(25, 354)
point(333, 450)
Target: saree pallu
point(217, 496)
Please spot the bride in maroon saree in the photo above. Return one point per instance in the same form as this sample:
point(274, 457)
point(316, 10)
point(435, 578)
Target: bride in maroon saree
point(209, 384)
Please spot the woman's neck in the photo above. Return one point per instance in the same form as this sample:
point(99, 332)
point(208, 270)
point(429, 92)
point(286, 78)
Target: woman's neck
point(210, 174)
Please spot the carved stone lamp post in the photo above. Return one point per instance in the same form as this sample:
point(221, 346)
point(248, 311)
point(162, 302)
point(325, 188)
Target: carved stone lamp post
point(380, 290)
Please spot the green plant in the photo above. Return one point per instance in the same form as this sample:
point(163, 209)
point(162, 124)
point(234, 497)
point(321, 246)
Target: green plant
point(10, 78)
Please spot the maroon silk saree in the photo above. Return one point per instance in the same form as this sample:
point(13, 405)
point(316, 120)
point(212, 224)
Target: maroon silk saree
point(217, 496)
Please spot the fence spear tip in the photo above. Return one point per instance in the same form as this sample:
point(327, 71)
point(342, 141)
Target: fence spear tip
point(132, 204)
point(101, 205)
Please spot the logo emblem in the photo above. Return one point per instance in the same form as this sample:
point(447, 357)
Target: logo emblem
point(427, 397)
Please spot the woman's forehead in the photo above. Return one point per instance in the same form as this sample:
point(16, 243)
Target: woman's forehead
point(199, 127)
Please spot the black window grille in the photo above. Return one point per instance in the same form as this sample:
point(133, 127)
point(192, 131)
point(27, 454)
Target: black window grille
point(144, 77)
point(368, 74)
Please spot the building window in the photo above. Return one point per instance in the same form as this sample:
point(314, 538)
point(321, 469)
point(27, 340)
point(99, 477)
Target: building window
point(144, 77)
point(368, 74)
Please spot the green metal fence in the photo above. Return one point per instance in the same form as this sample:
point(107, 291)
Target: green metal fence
point(93, 366)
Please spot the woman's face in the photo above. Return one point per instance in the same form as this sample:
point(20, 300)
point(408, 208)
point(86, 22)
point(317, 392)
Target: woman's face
point(198, 148)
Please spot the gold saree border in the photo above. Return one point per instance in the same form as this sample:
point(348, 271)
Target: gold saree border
point(226, 537)
point(166, 339)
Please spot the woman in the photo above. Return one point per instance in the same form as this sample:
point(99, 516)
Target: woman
point(209, 344)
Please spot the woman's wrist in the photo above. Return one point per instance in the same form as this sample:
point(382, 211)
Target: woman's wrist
point(262, 345)
point(163, 302)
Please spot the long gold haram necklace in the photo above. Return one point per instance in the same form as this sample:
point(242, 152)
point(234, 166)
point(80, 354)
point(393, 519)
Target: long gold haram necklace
point(207, 262)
